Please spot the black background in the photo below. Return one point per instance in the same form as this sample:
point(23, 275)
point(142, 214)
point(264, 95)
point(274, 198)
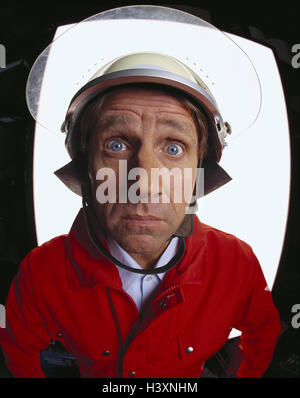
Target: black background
point(26, 28)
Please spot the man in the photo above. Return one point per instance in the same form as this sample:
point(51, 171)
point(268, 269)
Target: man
point(140, 287)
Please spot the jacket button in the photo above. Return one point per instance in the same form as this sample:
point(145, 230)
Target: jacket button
point(163, 304)
point(106, 353)
point(59, 334)
point(189, 350)
point(131, 374)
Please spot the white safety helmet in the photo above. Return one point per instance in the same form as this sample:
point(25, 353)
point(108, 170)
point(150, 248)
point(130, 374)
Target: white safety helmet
point(153, 69)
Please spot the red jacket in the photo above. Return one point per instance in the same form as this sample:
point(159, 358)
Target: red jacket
point(65, 290)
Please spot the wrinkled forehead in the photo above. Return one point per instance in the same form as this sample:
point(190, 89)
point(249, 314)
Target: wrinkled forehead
point(126, 107)
point(157, 99)
point(145, 96)
point(141, 94)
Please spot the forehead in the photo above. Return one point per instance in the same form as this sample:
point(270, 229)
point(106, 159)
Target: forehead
point(127, 109)
point(150, 99)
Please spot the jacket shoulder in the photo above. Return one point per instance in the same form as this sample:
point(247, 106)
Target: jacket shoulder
point(228, 251)
point(222, 238)
point(50, 252)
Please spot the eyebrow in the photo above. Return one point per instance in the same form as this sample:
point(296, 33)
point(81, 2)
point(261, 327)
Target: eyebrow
point(120, 119)
point(176, 124)
point(110, 121)
point(115, 119)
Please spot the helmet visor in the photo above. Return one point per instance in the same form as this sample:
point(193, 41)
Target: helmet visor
point(79, 51)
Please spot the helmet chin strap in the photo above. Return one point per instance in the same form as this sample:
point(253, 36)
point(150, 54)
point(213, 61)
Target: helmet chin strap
point(85, 190)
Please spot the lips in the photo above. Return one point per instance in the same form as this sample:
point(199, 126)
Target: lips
point(141, 218)
point(140, 223)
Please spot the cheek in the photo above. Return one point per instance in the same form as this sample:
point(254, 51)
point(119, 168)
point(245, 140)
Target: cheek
point(179, 210)
point(182, 184)
point(100, 169)
point(189, 183)
point(95, 163)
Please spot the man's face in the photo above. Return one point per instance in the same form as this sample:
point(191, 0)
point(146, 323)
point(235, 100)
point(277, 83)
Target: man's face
point(148, 129)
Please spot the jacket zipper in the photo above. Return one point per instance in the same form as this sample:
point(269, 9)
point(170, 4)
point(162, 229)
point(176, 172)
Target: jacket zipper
point(168, 289)
point(125, 294)
point(122, 351)
point(125, 345)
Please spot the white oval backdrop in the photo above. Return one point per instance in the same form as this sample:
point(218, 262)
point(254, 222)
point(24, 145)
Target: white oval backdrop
point(253, 206)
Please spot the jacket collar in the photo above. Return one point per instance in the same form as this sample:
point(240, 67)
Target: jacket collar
point(86, 266)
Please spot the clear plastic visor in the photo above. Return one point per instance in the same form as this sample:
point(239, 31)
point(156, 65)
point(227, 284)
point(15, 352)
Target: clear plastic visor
point(79, 51)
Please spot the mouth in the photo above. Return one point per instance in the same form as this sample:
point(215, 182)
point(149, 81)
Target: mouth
point(140, 221)
point(141, 218)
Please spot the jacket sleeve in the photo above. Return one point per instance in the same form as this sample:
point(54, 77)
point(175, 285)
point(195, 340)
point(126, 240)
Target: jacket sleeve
point(258, 320)
point(25, 334)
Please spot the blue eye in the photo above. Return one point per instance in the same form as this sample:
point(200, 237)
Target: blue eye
point(116, 146)
point(174, 149)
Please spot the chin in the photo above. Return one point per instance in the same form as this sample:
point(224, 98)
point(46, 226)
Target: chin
point(140, 243)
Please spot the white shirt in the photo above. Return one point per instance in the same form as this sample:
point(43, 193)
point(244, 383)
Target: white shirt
point(140, 286)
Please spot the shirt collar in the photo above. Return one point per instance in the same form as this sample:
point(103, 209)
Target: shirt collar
point(121, 255)
point(86, 266)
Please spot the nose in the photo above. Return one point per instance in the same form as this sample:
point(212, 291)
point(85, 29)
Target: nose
point(145, 157)
point(141, 165)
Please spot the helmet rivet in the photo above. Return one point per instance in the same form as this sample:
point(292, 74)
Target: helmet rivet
point(228, 128)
